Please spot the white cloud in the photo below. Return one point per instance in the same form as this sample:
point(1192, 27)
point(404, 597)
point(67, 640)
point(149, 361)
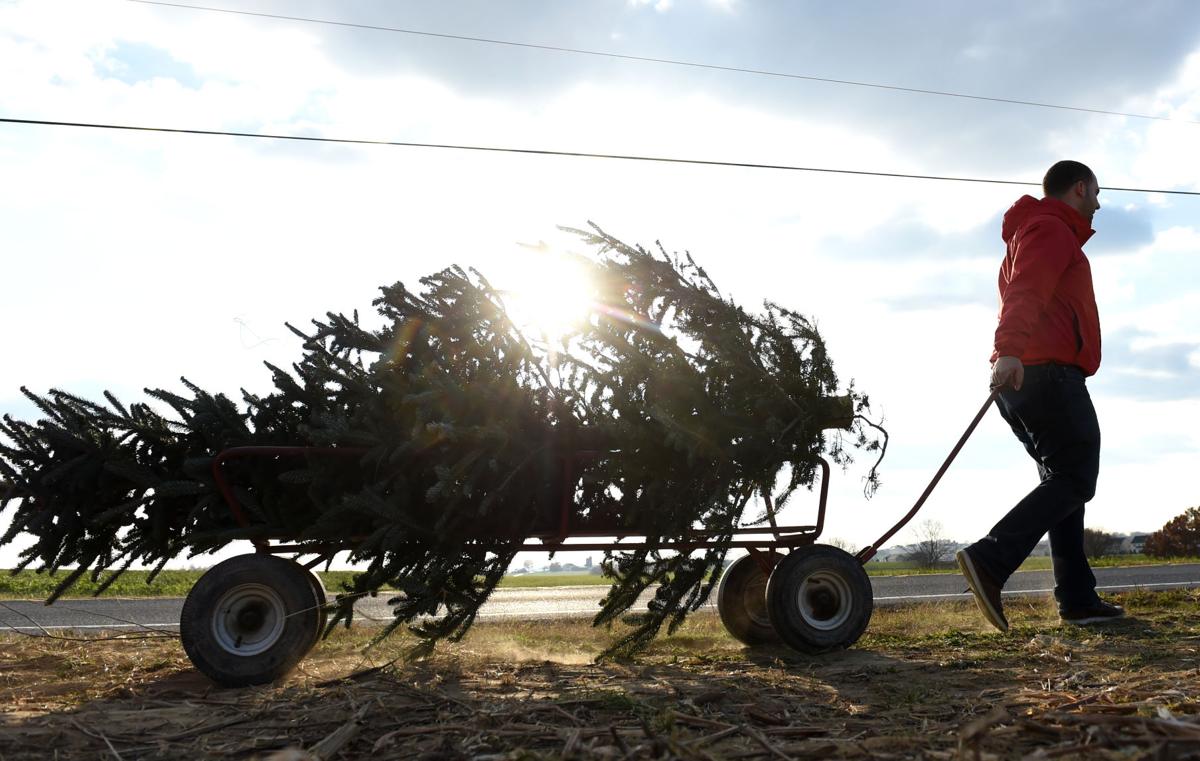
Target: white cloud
point(978, 52)
point(1157, 288)
point(662, 6)
point(1167, 151)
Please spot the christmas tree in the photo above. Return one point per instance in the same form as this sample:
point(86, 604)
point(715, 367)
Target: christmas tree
point(459, 420)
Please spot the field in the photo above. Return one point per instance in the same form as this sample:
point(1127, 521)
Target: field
point(30, 585)
point(1040, 563)
point(926, 682)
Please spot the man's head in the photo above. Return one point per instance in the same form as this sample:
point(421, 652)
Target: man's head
point(1075, 185)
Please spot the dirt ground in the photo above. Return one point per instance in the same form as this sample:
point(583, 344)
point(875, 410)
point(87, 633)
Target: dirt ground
point(926, 682)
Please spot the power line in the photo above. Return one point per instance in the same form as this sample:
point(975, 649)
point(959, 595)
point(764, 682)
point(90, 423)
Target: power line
point(665, 61)
point(545, 152)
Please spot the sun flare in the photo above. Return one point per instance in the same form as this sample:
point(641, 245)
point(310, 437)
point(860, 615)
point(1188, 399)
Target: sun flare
point(548, 295)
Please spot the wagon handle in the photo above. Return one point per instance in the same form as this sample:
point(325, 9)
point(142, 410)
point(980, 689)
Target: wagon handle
point(869, 551)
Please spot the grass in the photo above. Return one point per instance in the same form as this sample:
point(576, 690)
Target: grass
point(30, 585)
point(899, 568)
point(527, 580)
point(928, 681)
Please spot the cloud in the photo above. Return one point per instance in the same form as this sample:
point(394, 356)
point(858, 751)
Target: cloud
point(1120, 229)
point(932, 133)
point(134, 62)
point(934, 300)
point(1140, 366)
point(996, 51)
point(19, 407)
point(661, 6)
point(1157, 286)
point(905, 236)
point(1150, 449)
point(945, 288)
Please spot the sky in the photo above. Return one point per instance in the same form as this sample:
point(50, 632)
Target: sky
point(130, 259)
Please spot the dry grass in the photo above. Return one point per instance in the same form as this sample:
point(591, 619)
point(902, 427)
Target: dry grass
point(928, 681)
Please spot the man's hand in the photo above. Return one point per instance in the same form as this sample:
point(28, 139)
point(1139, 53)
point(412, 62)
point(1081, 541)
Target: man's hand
point(1008, 371)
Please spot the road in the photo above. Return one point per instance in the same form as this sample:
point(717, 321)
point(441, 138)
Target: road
point(559, 602)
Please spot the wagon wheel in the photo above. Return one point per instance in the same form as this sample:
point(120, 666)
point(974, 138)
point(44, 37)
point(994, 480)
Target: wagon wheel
point(322, 601)
point(742, 600)
point(249, 620)
point(819, 598)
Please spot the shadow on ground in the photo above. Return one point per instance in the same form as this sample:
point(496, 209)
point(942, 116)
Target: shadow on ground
point(924, 683)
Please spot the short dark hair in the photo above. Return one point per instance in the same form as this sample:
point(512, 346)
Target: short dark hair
point(1063, 175)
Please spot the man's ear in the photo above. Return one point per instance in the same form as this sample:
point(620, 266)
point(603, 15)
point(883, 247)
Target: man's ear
point(1080, 188)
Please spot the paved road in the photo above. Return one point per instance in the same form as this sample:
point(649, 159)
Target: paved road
point(562, 602)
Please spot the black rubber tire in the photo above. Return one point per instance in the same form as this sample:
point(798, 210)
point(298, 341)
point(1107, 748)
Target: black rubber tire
point(249, 620)
point(819, 599)
point(322, 601)
point(742, 600)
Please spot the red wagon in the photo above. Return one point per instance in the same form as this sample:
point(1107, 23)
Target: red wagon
point(252, 618)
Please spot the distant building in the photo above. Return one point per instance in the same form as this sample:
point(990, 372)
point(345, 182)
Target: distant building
point(1132, 544)
point(1125, 544)
point(901, 552)
point(889, 554)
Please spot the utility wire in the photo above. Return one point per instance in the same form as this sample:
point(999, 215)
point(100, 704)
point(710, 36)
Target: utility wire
point(666, 61)
point(571, 154)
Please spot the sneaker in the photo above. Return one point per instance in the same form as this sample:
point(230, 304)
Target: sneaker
point(1098, 612)
point(986, 591)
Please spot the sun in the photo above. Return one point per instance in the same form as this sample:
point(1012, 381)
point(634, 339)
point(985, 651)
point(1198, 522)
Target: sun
point(548, 295)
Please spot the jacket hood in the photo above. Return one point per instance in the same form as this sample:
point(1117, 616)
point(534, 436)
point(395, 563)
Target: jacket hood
point(1028, 208)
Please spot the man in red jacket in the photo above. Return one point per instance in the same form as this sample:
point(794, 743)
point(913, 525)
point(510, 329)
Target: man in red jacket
point(1047, 343)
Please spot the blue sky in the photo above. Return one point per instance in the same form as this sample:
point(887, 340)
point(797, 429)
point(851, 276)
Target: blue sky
point(132, 259)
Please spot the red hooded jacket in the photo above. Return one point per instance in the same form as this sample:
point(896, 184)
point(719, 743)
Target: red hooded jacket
point(1047, 305)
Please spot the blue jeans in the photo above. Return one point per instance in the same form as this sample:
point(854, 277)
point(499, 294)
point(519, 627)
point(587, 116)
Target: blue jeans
point(1053, 417)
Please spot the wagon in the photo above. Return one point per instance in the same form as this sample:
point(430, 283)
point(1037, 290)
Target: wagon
point(250, 619)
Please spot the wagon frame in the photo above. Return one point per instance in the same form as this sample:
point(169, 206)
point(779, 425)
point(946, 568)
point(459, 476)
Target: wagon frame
point(250, 619)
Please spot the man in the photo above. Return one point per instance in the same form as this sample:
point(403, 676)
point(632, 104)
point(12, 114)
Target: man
point(1047, 343)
